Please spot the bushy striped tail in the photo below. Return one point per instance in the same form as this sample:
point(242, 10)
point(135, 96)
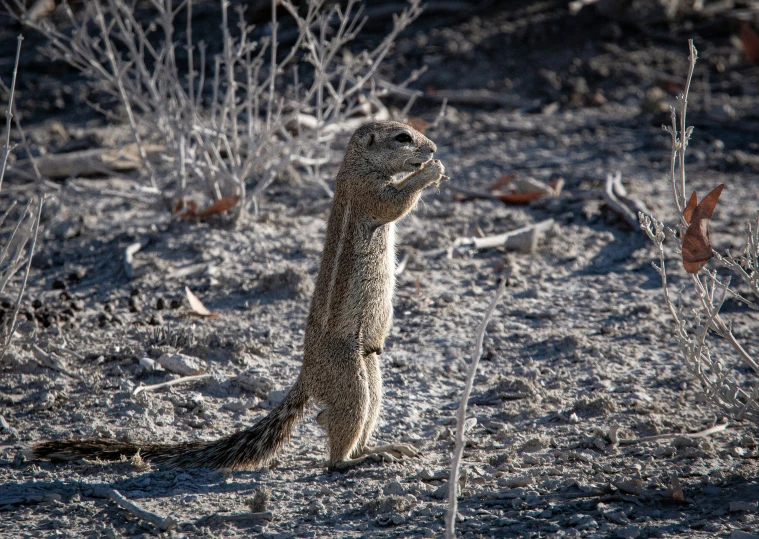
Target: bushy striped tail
point(246, 449)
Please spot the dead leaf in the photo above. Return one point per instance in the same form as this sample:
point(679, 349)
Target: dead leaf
point(697, 248)
point(198, 309)
point(189, 207)
point(418, 124)
point(220, 206)
point(750, 42)
point(503, 181)
point(690, 208)
point(520, 198)
point(522, 189)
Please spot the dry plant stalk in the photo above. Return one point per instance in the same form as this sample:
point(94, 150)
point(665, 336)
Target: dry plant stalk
point(693, 328)
point(458, 450)
point(258, 112)
point(17, 242)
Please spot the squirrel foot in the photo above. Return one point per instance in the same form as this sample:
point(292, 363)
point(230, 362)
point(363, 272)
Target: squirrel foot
point(396, 450)
point(349, 464)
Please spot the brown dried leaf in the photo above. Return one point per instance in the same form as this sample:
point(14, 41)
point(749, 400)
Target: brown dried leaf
point(189, 206)
point(521, 189)
point(520, 198)
point(750, 42)
point(503, 181)
point(198, 309)
point(220, 206)
point(697, 248)
point(418, 124)
point(690, 208)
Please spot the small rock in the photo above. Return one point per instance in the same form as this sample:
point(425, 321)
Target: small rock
point(425, 475)
point(149, 364)
point(65, 230)
point(156, 319)
point(449, 297)
point(261, 386)
point(394, 488)
point(736, 507)
point(441, 493)
point(181, 364)
point(58, 285)
point(276, 396)
point(160, 304)
point(514, 482)
point(684, 441)
point(628, 532)
point(4, 424)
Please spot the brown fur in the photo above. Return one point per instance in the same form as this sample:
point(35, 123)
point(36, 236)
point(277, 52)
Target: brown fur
point(350, 315)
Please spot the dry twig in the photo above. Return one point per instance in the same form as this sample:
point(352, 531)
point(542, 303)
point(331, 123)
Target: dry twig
point(184, 380)
point(692, 334)
point(162, 523)
point(458, 450)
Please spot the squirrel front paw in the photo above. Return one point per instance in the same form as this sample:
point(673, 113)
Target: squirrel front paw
point(434, 172)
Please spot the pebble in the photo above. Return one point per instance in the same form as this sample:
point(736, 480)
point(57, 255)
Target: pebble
point(517, 481)
point(149, 364)
point(277, 395)
point(393, 488)
point(261, 386)
point(628, 532)
point(736, 507)
point(181, 364)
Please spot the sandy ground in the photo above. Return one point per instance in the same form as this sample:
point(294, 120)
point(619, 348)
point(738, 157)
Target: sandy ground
point(579, 358)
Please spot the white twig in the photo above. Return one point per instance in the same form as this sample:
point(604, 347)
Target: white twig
point(9, 112)
point(458, 450)
point(695, 435)
point(185, 380)
point(162, 523)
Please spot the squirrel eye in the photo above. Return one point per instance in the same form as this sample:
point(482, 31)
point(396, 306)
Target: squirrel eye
point(403, 137)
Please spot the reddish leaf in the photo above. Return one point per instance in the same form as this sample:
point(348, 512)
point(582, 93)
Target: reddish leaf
point(690, 208)
point(220, 206)
point(697, 249)
point(750, 41)
point(191, 207)
point(520, 198)
point(418, 124)
point(502, 181)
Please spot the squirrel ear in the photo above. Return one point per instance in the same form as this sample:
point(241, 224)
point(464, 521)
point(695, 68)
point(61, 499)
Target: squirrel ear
point(368, 139)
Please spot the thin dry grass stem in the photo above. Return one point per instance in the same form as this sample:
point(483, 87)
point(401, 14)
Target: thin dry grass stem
point(9, 113)
point(458, 450)
point(16, 253)
point(693, 327)
point(233, 131)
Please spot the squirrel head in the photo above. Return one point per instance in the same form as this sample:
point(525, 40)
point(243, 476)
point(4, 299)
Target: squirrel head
point(390, 148)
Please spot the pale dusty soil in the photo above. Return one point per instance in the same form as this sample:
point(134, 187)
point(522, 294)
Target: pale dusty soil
point(581, 343)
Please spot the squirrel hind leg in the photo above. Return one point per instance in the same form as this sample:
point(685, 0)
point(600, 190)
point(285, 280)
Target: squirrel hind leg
point(374, 383)
point(345, 425)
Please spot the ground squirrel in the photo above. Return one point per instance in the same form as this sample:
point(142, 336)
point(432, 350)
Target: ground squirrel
point(350, 316)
